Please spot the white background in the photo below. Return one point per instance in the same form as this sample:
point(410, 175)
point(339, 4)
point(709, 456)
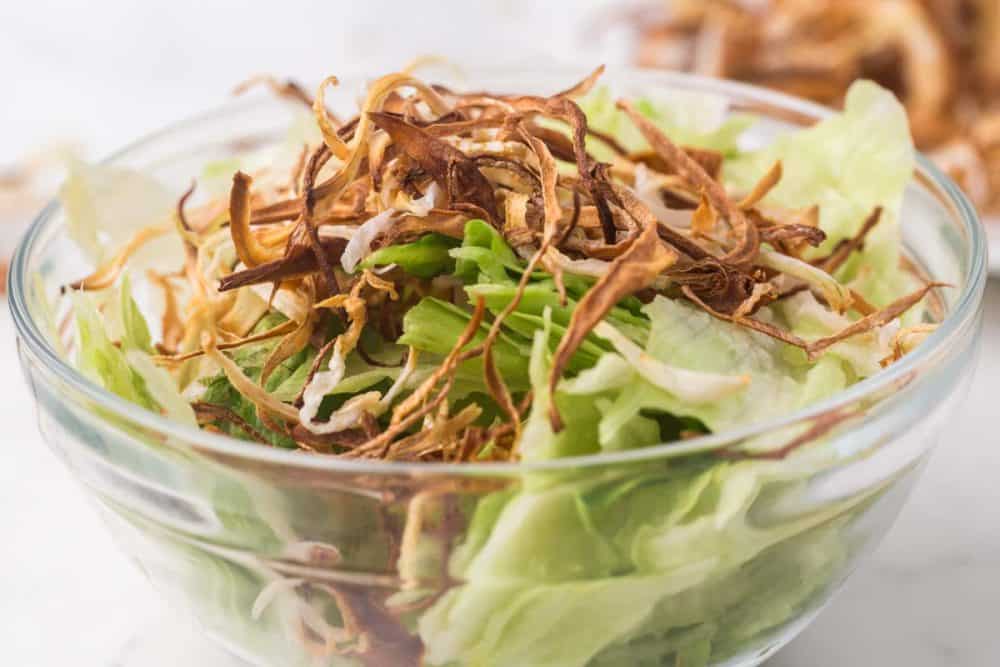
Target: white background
point(104, 73)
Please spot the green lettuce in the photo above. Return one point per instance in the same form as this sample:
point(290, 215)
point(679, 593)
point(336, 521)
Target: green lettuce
point(848, 164)
point(491, 270)
point(425, 258)
point(484, 255)
point(101, 360)
point(686, 337)
point(433, 325)
point(106, 204)
point(134, 330)
point(287, 379)
point(643, 564)
point(126, 369)
point(654, 561)
point(698, 120)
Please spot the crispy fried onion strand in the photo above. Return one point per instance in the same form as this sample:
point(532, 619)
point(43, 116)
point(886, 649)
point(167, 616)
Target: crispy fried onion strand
point(106, 274)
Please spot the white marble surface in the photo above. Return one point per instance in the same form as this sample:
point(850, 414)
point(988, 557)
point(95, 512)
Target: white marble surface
point(106, 72)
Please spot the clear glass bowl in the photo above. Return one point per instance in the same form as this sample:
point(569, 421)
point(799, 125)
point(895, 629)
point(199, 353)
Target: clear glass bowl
point(296, 559)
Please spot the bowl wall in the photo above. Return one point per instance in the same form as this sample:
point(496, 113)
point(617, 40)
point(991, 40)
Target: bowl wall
point(669, 553)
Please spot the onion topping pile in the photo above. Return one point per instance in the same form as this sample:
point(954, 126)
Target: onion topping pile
point(942, 57)
point(434, 276)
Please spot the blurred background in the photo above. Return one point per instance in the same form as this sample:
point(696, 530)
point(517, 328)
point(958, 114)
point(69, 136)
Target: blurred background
point(86, 78)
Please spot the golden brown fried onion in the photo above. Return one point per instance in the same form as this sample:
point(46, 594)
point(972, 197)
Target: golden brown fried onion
point(419, 159)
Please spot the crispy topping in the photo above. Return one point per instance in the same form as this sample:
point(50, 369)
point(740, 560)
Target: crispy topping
point(486, 214)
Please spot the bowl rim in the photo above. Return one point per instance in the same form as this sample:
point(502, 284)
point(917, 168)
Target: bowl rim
point(192, 437)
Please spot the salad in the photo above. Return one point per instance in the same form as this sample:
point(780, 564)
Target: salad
point(472, 277)
point(446, 275)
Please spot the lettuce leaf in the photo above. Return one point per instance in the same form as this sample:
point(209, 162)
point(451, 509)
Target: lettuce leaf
point(162, 388)
point(101, 360)
point(286, 381)
point(848, 164)
point(861, 354)
point(698, 120)
point(651, 560)
point(126, 369)
point(219, 391)
point(686, 337)
point(541, 295)
point(136, 342)
point(105, 205)
point(135, 331)
point(538, 441)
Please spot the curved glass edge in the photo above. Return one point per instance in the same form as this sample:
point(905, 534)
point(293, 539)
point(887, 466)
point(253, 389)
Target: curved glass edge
point(962, 316)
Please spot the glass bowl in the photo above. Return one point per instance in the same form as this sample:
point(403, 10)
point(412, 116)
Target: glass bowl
point(668, 553)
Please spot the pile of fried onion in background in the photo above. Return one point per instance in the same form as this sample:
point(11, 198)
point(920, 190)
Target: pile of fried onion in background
point(941, 57)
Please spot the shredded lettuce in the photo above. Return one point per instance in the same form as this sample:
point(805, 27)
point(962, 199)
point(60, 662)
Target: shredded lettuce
point(433, 326)
point(135, 331)
point(219, 391)
point(126, 369)
point(286, 381)
point(137, 345)
point(162, 388)
point(484, 256)
point(424, 258)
